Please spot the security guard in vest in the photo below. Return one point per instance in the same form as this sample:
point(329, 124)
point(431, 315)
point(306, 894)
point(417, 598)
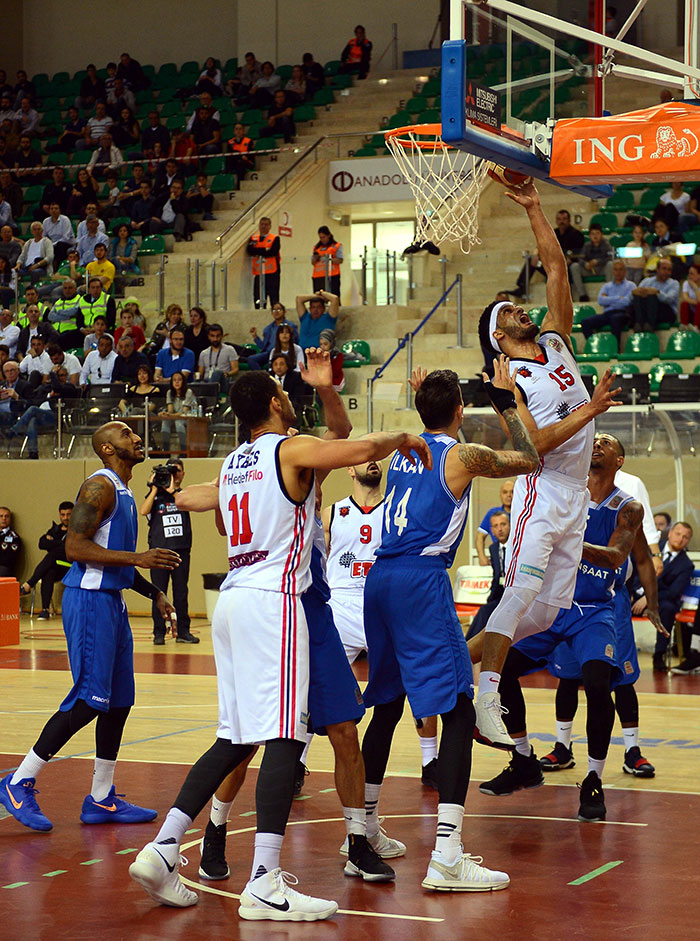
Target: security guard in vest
point(96, 302)
point(326, 258)
point(240, 160)
point(67, 317)
point(356, 55)
point(170, 528)
point(264, 248)
point(31, 296)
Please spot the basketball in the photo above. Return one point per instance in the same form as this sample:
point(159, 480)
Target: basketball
point(505, 176)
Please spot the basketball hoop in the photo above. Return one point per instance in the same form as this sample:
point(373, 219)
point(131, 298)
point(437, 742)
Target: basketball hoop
point(446, 184)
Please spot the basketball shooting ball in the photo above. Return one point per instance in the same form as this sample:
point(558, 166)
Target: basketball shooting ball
point(507, 177)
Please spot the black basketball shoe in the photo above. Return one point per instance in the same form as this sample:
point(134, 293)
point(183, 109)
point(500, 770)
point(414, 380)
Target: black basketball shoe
point(213, 865)
point(364, 862)
point(592, 806)
point(520, 772)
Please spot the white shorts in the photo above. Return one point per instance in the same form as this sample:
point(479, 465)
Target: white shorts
point(547, 522)
point(348, 613)
point(261, 648)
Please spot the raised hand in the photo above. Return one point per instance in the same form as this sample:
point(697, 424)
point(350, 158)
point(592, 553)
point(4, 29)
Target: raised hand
point(317, 372)
point(420, 446)
point(502, 378)
point(417, 378)
point(525, 195)
point(603, 396)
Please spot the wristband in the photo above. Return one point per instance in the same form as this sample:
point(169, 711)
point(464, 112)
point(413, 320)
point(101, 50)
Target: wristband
point(656, 555)
point(501, 399)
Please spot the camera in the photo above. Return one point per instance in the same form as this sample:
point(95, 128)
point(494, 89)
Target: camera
point(163, 475)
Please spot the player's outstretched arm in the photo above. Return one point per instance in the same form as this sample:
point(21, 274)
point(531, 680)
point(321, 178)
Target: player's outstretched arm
point(318, 374)
point(198, 498)
point(647, 576)
point(560, 314)
point(305, 452)
point(612, 556)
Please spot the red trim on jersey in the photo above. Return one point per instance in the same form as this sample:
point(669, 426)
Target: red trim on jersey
point(283, 675)
point(525, 514)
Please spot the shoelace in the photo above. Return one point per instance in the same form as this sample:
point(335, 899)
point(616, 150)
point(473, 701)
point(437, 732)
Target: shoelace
point(30, 794)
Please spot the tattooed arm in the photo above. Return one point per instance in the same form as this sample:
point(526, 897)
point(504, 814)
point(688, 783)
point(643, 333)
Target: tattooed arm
point(620, 545)
point(647, 576)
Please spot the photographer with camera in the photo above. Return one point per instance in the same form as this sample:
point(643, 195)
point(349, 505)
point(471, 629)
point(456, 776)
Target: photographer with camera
point(169, 528)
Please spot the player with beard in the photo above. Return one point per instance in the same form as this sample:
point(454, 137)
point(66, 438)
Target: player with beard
point(550, 505)
point(101, 544)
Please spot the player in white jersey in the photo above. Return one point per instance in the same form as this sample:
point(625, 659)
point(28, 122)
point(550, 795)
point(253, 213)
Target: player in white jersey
point(266, 510)
point(548, 514)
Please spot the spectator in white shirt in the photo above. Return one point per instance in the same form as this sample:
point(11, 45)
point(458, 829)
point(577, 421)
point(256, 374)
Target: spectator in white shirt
point(37, 364)
point(36, 258)
point(99, 363)
point(105, 157)
point(9, 332)
point(67, 360)
point(58, 228)
point(87, 242)
point(90, 210)
point(27, 119)
point(97, 125)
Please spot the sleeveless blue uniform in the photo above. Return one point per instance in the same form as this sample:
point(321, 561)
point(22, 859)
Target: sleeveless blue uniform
point(334, 695)
point(415, 643)
point(100, 643)
point(587, 630)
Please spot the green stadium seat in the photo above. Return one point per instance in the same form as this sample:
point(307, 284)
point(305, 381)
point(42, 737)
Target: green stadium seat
point(416, 105)
point(341, 81)
point(400, 119)
point(223, 183)
point(58, 158)
point(216, 165)
point(600, 347)
point(640, 346)
point(430, 116)
point(284, 72)
point(60, 78)
point(32, 194)
point(331, 67)
point(365, 152)
point(588, 369)
point(191, 67)
point(624, 369)
point(167, 68)
point(378, 140)
point(152, 245)
point(361, 351)
point(304, 113)
point(170, 108)
point(431, 88)
point(166, 94)
point(323, 97)
point(149, 71)
point(176, 121)
point(619, 241)
point(267, 143)
point(254, 130)
point(649, 200)
point(581, 311)
point(620, 201)
point(684, 344)
point(252, 116)
point(697, 368)
point(659, 370)
point(608, 221)
point(231, 65)
point(537, 314)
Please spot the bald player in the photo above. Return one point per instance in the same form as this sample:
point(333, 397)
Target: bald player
point(101, 544)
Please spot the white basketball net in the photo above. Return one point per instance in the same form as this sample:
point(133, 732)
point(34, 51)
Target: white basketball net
point(446, 185)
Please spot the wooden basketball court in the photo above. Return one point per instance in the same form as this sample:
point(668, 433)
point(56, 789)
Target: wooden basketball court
point(614, 878)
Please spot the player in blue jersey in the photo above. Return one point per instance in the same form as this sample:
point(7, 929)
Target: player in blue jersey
point(414, 640)
point(101, 544)
point(587, 628)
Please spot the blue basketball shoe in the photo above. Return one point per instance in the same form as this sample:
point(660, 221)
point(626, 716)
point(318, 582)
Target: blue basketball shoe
point(114, 810)
point(19, 800)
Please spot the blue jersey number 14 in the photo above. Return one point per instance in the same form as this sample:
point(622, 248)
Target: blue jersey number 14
point(400, 516)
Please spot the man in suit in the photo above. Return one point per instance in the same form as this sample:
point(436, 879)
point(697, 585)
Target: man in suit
point(500, 530)
point(672, 582)
point(16, 394)
point(34, 327)
point(298, 391)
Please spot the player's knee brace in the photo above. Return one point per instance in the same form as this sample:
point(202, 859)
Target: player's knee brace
point(511, 609)
point(538, 617)
point(109, 730)
point(627, 704)
point(454, 757)
point(274, 791)
point(207, 774)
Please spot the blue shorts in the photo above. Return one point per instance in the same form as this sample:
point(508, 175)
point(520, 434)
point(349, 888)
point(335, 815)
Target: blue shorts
point(100, 649)
point(588, 631)
point(334, 695)
point(415, 643)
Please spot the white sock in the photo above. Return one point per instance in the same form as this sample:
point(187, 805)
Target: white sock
point(309, 740)
point(631, 737)
point(428, 749)
point(522, 745)
point(267, 853)
point(488, 682)
point(102, 778)
point(29, 768)
point(597, 765)
point(695, 642)
point(371, 801)
point(448, 838)
point(564, 733)
point(219, 811)
point(355, 820)
point(174, 827)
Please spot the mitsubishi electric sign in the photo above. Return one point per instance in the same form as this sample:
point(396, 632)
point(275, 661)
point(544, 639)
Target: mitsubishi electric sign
point(366, 180)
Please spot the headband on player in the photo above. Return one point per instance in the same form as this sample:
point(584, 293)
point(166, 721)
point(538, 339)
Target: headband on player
point(493, 325)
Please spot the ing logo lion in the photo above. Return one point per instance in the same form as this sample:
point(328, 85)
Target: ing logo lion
point(669, 145)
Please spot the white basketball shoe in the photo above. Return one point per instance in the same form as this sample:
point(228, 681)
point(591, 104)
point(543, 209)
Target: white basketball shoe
point(465, 874)
point(272, 897)
point(383, 845)
point(490, 728)
point(154, 871)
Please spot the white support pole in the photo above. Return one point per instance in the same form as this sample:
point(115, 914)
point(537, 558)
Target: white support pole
point(690, 48)
point(457, 11)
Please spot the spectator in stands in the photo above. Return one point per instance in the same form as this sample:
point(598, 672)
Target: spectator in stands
point(58, 228)
point(12, 193)
point(9, 142)
point(132, 304)
point(6, 213)
point(356, 55)
point(37, 363)
point(655, 300)
point(690, 300)
point(161, 335)
point(246, 76)
point(67, 318)
point(165, 175)
point(635, 266)
point(127, 328)
point(100, 123)
point(126, 132)
point(144, 212)
point(196, 334)
point(109, 207)
point(690, 218)
point(672, 583)
point(179, 403)
point(313, 72)
point(296, 86)
point(105, 157)
point(327, 342)
point(91, 209)
point(96, 301)
point(280, 118)
point(57, 191)
point(10, 247)
point(128, 361)
point(27, 163)
point(662, 521)
point(484, 530)
point(5, 87)
point(131, 190)
point(54, 565)
point(175, 211)
point(31, 296)
point(15, 395)
point(122, 253)
point(137, 393)
point(7, 283)
point(84, 192)
point(499, 526)
point(7, 111)
point(27, 120)
point(92, 90)
point(68, 361)
point(672, 205)
point(73, 134)
point(291, 381)
point(36, 258)
point(663, 235)
point(91, 238)
point(284, 344)
point(219, 361)
point(130, 70)
point(326, 259)
point(615, 297)
point(266, 345)
point(176, 358)
point(316, 318)
point(154, 133)
point(262, 92)
point(571, 241)
point(10, 545)
point(595, 260)
point(210, 79)
point(240, 148)
point(120, 97)
point(101, 267)
point(71, 268)
point(206, 132)
point(264, 249)
point(9, 331)
point(4, 356)
point(98, 365)
point(201, 198)
point(205, 101)
point(97, 329)
point(35, 327)
point(184, 148)
point(24, 89)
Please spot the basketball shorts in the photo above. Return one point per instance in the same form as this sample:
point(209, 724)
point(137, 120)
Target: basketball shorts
point(586, 630)
point(415, 643)
point(334, 695)
point(100, 649)
point(261, 649)
point(347, 605)
point(548, 519)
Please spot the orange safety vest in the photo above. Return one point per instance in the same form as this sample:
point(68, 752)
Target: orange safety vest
point(270, 264)
point(241, 146)
point(355, 52)
point(331, 251)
